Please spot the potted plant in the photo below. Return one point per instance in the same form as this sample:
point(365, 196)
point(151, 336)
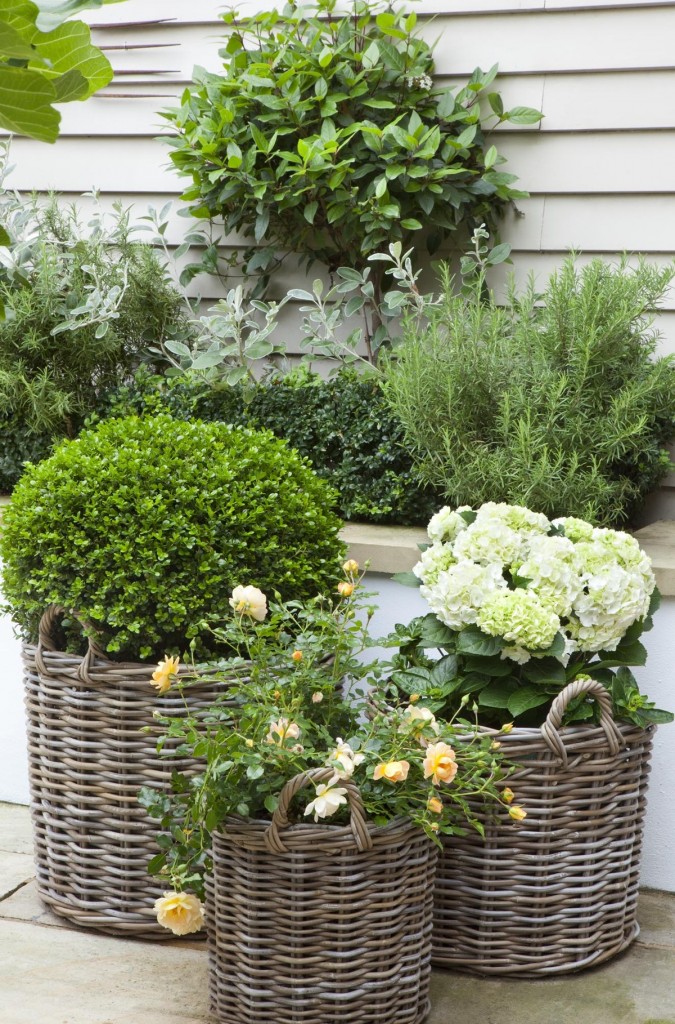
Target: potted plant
point(536, 623)
point(313, 824)
point(138, 531)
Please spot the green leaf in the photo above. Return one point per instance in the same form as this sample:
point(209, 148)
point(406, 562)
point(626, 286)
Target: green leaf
point(69, 48)
point(525, 698)
point(632, 654)
point(472, 641)
point(413, 680)
point(254, 771)
point(497, 694)
point(498, 254)
point(71, 86)
point(545, 672)
point(434, 633)
point(26, 104)
point(309, 212)
point(495, 101)
point(4, 237)
point(444, 670)
point(407, 579)
point(54, 12)
point(496, 667)
point(523, 115)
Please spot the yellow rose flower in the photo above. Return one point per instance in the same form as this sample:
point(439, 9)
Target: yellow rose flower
point(282, 730)
point(439, 763)
point(507, 795)
point(434, 805)
point(249, 601)
point(414, 697)
point(508, 727)
point(351, 567)
point(434, 826)
point(392, 771)
point(296, 655)
point(317, 697)
point(165, 673)
point(517, 813)
point(180, 912)
point(345, 589)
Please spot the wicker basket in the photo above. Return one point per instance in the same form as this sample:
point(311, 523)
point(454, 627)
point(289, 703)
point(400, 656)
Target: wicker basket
point(320, 924)
point(557, 893)
point(88, 758)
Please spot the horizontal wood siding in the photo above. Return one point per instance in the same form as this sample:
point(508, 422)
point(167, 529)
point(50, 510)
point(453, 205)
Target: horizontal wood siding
point(600, 168)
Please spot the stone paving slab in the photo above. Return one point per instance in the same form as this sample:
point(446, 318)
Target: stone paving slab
point(15, 869)
point(77, 977)
point(15, 829)
point(25, 905)
point(636, 988)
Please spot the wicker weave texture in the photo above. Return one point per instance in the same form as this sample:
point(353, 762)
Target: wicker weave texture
point(88, 759)
point(320, 924)
point(557, 892)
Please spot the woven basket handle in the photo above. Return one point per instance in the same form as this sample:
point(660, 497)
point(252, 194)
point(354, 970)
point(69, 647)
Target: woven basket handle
point(46, 640)
point(279, 822)
point(555, 716)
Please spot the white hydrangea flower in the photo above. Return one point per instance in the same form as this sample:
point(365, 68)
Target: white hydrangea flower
point(458, 592)
point(520, 618)
point(551, 566)
point(447, 523)
point(518, 654)
point(500, 534)
point(433, 561)
point(575, 529)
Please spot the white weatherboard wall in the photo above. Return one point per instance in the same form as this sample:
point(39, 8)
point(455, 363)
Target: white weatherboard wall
point(600, 168)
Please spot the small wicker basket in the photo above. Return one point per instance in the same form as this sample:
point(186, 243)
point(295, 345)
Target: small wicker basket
point(557, 893)
point(320, 924)
point(88, 759)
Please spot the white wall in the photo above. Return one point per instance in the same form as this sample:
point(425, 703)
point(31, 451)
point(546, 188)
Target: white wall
point(400, 604)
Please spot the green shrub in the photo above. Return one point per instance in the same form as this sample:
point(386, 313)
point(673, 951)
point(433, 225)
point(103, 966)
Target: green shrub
point(554, 401)
point(325, 136)
point(143, 526)
point(84, 304)
point(343, 426)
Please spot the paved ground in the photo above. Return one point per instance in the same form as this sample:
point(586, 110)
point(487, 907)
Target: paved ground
point(51, 973)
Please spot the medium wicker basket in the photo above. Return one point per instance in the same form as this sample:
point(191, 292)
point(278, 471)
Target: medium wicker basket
point(320, 924)
point(558, 892)
point(88, 758)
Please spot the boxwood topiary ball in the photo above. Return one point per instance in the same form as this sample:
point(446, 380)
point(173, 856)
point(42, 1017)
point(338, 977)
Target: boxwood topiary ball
point(143, 526)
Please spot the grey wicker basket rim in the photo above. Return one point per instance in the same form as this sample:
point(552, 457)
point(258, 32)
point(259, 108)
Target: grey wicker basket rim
point(85, 668)
point(278, 832)
point(555, 734)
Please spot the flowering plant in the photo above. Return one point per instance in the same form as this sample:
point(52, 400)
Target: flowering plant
point(286, 715)
point(521, 606)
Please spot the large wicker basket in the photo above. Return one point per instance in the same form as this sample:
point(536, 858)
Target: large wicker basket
point(557, 893)
point(320, 924)
point(88, 758)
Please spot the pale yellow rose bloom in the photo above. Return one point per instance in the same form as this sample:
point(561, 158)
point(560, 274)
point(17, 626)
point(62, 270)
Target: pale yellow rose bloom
point(423, 716)
point(351, 566)
point(508, 795)
point(393, 771)
point(282, 730)
point(345, 589)
point(517, 813)
point(249, 601)
point(327, 801)
point(434, 805)
point(181, 912)
point(439, 763)
point(165, 673)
